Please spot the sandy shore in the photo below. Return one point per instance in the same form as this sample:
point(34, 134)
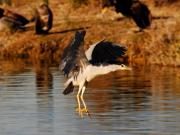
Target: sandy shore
point(159, 44)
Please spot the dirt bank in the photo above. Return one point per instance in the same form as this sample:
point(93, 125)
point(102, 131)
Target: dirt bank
point(159, 44)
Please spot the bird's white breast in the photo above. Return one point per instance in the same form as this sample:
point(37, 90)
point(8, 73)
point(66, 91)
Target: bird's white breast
point(90, 72)
point(93, 71)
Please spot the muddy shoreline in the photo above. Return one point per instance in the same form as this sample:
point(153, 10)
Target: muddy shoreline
point(158, 45)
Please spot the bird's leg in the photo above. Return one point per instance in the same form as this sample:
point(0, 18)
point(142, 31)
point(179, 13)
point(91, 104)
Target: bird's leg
point(84, 104)
point(82, 99)
point(78, 101)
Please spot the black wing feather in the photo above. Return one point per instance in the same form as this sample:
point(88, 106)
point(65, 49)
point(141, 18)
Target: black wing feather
point(73, 56)
point(68, 89)
point(106, 52)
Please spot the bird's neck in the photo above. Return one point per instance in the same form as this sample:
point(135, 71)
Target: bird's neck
point(93, 71)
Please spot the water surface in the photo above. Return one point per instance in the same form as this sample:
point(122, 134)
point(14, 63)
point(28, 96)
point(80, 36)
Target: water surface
point(145, 101)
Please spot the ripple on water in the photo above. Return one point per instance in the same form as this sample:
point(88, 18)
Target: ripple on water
point(141, 102)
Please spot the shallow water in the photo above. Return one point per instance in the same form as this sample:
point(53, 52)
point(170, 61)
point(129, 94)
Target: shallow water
point(144, 101)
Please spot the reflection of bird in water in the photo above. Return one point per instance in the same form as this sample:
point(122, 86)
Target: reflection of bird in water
point(44, 78)
point(81, 67)
point(45, 103)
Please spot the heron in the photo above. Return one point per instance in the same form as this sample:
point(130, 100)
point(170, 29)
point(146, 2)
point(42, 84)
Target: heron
point(81, 67)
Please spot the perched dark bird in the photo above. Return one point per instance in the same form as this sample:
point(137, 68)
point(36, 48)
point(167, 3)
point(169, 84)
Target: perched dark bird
point(124, 7)
point(80, 67)
point(134, 9)
point(17, 17)
point(141, 14)
point(43, 19)
point(12, 20)
point(7, 23)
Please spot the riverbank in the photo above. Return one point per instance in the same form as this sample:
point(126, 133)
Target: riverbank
point(159, 44)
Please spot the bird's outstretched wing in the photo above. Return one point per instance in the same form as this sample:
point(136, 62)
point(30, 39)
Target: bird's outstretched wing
point(105, 52)
point(73, 58)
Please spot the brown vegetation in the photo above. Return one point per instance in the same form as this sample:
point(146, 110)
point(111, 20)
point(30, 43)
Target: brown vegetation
point(159, 44)
point(163, 2)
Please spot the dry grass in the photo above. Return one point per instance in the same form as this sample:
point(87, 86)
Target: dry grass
point(158, 45)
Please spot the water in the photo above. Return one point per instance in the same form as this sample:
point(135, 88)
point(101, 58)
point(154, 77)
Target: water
point(145, 101)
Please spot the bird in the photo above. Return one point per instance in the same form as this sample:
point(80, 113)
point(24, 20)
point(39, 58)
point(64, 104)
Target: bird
point(141, 15)
point(43, 19)
point(12, 20)
point(134, 9)
point(17, 17)
point(81, 67)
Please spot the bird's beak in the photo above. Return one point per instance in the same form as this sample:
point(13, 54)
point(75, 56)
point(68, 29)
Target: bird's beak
point(124, 67)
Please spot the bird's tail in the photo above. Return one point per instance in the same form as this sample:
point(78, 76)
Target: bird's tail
point(68, 89)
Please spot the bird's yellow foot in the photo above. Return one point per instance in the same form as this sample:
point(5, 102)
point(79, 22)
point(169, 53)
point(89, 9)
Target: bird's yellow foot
point(78, 109)
point(81, 111)
point(84, 110)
